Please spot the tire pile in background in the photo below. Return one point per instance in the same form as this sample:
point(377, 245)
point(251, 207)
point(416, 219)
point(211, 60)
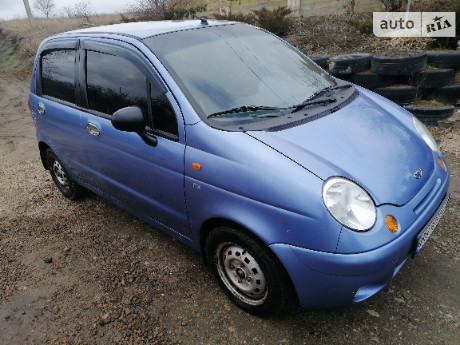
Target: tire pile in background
point(425, 83)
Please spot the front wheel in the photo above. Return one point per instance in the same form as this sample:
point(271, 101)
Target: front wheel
point(66, 185)
point(248, 272)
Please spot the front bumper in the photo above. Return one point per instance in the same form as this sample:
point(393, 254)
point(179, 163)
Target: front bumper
point(333, 281)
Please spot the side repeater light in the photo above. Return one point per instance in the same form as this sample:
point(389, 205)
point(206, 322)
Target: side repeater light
point(196, 166)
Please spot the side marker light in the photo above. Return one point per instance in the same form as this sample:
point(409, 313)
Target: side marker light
point(441, 163)
point(196, 166)
point(391, 223)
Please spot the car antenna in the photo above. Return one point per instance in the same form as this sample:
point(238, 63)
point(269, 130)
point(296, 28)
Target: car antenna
point(203, 21)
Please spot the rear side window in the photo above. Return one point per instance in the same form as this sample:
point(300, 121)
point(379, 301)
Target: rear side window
point(58, 74)
point(114, 83)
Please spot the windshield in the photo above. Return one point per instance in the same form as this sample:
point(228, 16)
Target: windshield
point(237, 71)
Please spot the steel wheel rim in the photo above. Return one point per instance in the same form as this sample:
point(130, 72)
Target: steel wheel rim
point(241, 274)
point(60, 173)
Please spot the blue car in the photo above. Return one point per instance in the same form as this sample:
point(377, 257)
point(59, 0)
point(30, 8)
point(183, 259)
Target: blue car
point(293, 185)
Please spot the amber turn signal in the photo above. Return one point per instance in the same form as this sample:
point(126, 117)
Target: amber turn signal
point(441, 163)
point(391, 223)
point(196, 166)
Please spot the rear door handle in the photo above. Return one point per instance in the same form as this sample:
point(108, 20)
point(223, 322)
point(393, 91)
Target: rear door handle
point(93, 129)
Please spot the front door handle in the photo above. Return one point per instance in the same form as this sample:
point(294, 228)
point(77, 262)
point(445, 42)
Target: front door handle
point(93, 129)
point(41, 108)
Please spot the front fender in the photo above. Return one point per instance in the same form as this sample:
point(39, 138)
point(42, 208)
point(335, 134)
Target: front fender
point(245, 181)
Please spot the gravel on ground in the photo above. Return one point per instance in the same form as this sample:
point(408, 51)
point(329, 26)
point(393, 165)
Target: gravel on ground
point(86, 272)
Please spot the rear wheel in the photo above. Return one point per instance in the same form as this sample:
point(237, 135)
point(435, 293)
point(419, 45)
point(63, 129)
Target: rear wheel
point(66, 185)
point(249, 273)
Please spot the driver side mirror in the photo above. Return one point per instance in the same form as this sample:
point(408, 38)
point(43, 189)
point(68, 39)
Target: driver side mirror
point(129, 119)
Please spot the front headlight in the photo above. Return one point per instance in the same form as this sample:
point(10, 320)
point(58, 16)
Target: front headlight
point(349, 204)
point(425, 134)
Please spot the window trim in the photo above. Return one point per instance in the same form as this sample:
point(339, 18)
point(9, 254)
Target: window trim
point(131, 55)
point(103, 45)
point(66, 44)
point(163, 134)
point(84, 86)
point(126, 53)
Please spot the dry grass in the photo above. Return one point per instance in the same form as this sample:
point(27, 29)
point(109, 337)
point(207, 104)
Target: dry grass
point(425, 103)
point(19, 42)
point(341, 34)
point(58, 24)
point(332, 35)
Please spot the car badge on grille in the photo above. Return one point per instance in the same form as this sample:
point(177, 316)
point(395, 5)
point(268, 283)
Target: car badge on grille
point(418, 174)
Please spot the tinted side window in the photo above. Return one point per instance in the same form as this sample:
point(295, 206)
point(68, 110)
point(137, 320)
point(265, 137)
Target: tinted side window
point(58, 74)
point(164, 118)
point(114, 83)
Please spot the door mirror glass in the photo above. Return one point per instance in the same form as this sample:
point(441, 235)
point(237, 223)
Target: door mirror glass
point(129, 119)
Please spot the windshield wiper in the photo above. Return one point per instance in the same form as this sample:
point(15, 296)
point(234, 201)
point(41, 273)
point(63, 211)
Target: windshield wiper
point(328, 89)
point(243, 109)
point(318, 101)
point(338, 87)
point(313, 100)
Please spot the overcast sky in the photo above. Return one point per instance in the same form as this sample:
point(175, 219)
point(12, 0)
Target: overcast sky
point(14, 9)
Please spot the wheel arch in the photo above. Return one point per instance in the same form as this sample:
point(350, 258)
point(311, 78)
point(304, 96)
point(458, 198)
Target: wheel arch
point(43, 147)
point(213, 223)
point(208, 226)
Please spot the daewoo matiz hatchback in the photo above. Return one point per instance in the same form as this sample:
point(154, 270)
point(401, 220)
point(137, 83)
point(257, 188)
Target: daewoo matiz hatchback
point(288, 181)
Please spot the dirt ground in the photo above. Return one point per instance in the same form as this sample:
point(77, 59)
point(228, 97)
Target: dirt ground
point(113, 279)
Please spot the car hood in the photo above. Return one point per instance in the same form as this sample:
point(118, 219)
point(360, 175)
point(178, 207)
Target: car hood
point(370, 141)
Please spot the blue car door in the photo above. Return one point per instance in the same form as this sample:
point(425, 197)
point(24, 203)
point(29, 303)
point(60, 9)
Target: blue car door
point(142, 173)
point(55, 103)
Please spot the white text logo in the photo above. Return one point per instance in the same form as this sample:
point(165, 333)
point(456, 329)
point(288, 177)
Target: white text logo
point(414, 24)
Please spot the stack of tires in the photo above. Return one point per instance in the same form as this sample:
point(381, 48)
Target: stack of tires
point(426, 84)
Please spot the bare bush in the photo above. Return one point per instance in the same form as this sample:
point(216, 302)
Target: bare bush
point(275, 20)
point(45, 6)
point(442, 6)
point(149, 9)
point(163, 9)
point(249, 18)
point(81, 9)
point(394, 5)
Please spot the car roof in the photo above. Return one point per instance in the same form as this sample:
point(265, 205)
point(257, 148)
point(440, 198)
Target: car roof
point(142, 30)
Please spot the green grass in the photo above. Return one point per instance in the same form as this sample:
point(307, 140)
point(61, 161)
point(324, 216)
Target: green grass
point(6, 58)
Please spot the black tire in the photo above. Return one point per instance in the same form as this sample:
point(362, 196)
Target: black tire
point(400, 94)
point(444, 59)
point(320, 59)
point(371, 80)
point(66, 185)
point(399, 62)
point(433, 78)
point(448, 94)
point(247, 271)
point(431, 115)
point(349, 63)
point(428, 94)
